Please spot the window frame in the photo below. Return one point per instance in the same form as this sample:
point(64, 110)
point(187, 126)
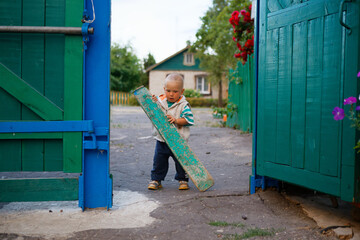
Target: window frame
point(204, 78)
point(186, 62)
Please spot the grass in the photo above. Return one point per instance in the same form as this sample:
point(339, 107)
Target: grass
point(226, 224)
point(251, 232)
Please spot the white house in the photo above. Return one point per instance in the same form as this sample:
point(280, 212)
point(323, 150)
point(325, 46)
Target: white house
point(182, 62)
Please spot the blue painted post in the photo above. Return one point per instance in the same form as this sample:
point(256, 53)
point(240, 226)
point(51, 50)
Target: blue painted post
point(95, 188)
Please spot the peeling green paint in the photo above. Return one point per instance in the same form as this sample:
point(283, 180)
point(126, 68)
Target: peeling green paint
point(186, 157)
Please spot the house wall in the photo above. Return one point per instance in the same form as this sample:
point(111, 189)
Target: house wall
point(156, 82)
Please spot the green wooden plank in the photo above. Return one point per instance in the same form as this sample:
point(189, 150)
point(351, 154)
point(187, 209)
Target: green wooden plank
point(32, 155)
point(301, 177)
point(258, 161)
point(53, 159)
point(191, 164)
point(283, 149)
point(10, 49)
point(54, 135)
point(302, 12)
point(298, 94)
point(10, 155)
point(313, 94)
point(28, 95)
point(23, 190)
point(270, 95)
point(331, 88)
point(73, 68)
point(54, 78)
point(33, 74)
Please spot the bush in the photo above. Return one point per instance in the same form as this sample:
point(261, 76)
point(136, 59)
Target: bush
point(192, 93)
point(203, 102)
point(133, 101)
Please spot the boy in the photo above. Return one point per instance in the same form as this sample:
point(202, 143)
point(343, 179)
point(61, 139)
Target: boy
point(178, 112)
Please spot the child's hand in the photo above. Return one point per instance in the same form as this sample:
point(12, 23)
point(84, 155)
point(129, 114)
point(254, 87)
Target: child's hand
point(171, 119)
point(154, 98)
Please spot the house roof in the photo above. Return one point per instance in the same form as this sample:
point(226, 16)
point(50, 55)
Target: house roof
point(166, 65)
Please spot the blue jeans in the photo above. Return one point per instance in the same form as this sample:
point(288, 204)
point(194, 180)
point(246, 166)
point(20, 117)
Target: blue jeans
point(161, 164)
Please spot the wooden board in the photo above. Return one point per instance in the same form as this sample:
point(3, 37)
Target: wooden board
point(51, 189)
point(191, 164)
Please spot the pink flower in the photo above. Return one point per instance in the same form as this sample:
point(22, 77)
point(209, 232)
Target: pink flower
point(243, 12)
point(338, 113)
point(358, 75)
point(349, 100)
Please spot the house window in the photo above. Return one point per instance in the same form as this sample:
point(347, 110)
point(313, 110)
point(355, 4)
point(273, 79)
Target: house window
point(202, 85)
point(189, 59)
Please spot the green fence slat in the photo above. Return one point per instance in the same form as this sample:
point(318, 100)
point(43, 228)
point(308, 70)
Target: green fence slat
point(298, 94)
point(54, 78)
point(32, 73)
point(313, 94)
point(10, 49)
point(270, 94)
point(73, 68)
point(53, 155)
point(23, 190)
point(283, 116)
point(331, 87)
point(10, 155)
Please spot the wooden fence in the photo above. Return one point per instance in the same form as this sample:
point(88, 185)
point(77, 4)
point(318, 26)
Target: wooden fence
point(241, 93)
point(119, 98)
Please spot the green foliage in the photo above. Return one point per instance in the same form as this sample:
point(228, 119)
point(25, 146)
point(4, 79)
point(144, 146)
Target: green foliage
point(214, 45)
point(252, 232)
point(133, 101)
point(202, 102)
point(229, 110)
point(125, 68)
point(192, 93)
point(226, 224)
point(148, 62)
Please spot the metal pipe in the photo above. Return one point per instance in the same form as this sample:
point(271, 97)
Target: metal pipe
point(39, 29)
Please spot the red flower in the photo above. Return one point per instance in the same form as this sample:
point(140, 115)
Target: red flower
point(237, 55)
point(239, 46)
point(250, 6)
point(234, 20)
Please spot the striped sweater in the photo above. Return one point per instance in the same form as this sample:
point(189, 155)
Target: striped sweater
point(179, 109)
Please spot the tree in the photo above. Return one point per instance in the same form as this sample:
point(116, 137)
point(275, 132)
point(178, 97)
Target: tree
point(214, 45)
point(125, 68)
point(149, 61)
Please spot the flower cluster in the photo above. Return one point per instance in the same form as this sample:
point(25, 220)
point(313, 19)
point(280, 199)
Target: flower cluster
point(354, 116)
point(243, 27)
point(339, 112)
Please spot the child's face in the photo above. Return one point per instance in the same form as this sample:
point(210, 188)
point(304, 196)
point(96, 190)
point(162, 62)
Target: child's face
point(173, 91)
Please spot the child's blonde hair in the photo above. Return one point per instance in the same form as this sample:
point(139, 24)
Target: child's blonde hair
point(176, 77)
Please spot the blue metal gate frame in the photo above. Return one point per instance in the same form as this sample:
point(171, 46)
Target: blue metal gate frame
point(95, 184)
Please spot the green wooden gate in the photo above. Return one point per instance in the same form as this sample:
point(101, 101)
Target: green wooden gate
point(40, 80)
point(308, 64)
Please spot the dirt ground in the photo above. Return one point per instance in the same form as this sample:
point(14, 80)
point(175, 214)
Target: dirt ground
point(226, 211)
point(227, 155)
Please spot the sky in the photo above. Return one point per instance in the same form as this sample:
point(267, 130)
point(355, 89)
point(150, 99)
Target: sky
point(159, 27)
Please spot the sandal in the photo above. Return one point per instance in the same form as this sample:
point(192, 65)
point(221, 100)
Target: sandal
point(154, 185)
